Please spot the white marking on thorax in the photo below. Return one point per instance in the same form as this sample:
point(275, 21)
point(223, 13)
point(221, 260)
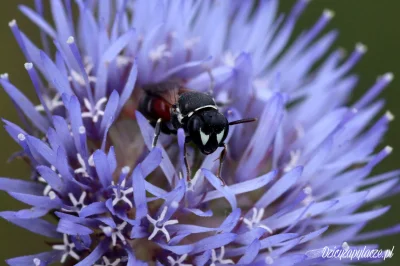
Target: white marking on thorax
point(200, 108)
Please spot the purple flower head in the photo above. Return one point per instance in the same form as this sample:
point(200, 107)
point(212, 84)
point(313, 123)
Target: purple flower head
point(295, 180)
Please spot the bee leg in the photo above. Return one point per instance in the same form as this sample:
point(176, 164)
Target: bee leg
point(221, 160)
point(157, 132)
point(212, 81)
point(189, 178)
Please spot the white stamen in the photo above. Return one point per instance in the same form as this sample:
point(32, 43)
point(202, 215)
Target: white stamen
point(122, 61)
point(388, 149)
point(91, 161)
point(174, 204)
point(50, 103)
point(256, 220)
point(307, 190)
point(68, 249)
point(309, 198)
point(77, 205)
point(158, 226)
point(122, 194)
point(269, 260)
point(294, 159)
point(52, 195)
point(229, 59)
point(219, 259)
point(82, 130)
point(79, 78)
point(47, 188)
point(125, 170)
point(179, 261)
point(361, 48)
point(81, 170)
point(70, 40)
point(108, 263)
point(21, 137)
point(12, 23)
point(388, 76)
point(190, 43)
point(389, 115)
point(115, 233)
point(4, 76)
point(345, 246)
point(329, 13)
point(96, 111)
point(204, 137)
point(36, 261)
point(28, 66)
point(159, 53)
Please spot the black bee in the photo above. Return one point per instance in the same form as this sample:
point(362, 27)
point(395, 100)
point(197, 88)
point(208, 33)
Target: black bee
point(170, 106)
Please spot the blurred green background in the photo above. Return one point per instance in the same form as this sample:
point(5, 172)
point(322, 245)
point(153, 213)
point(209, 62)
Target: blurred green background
point(375, 23)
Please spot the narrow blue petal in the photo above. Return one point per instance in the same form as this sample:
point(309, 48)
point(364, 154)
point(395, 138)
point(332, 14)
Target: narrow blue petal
point(95, 254)
point(267, 126)
point(381, 189)
point(54, 75)
point(230, 221)
point(110, 112)
point(179, 250)
point(111, 53)
point(377, 234)
point(56, 182)
point(45, 259)
point(252, 253)
point(60, 19)
point(37, 201)
point(199, 212)
point(129, 86)
point(148, 133)
point(248, 237)
point(93, 209)
point(20, 186)
point(13, 130)
point(353, 218)
point(243, 187)
point(151, 162)
point(102, 168)
point(62, 165)
point(187, 229)
point(38, 20)
point(68, 227)
point(139, 193)
point(82, 242)
point(224, 189)
point(31, 213)
point(41, 151)
point(202, 259)
point(61, 127)
point(212, 242)
point(37, 226)
point(280, 187)
point(289, 218)
point(26, 106)
point(76, 220)
point(276, 239)
point(313, 235)
point(112, 159)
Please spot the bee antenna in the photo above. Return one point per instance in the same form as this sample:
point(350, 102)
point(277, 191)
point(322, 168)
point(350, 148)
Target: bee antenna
point(242, 121)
